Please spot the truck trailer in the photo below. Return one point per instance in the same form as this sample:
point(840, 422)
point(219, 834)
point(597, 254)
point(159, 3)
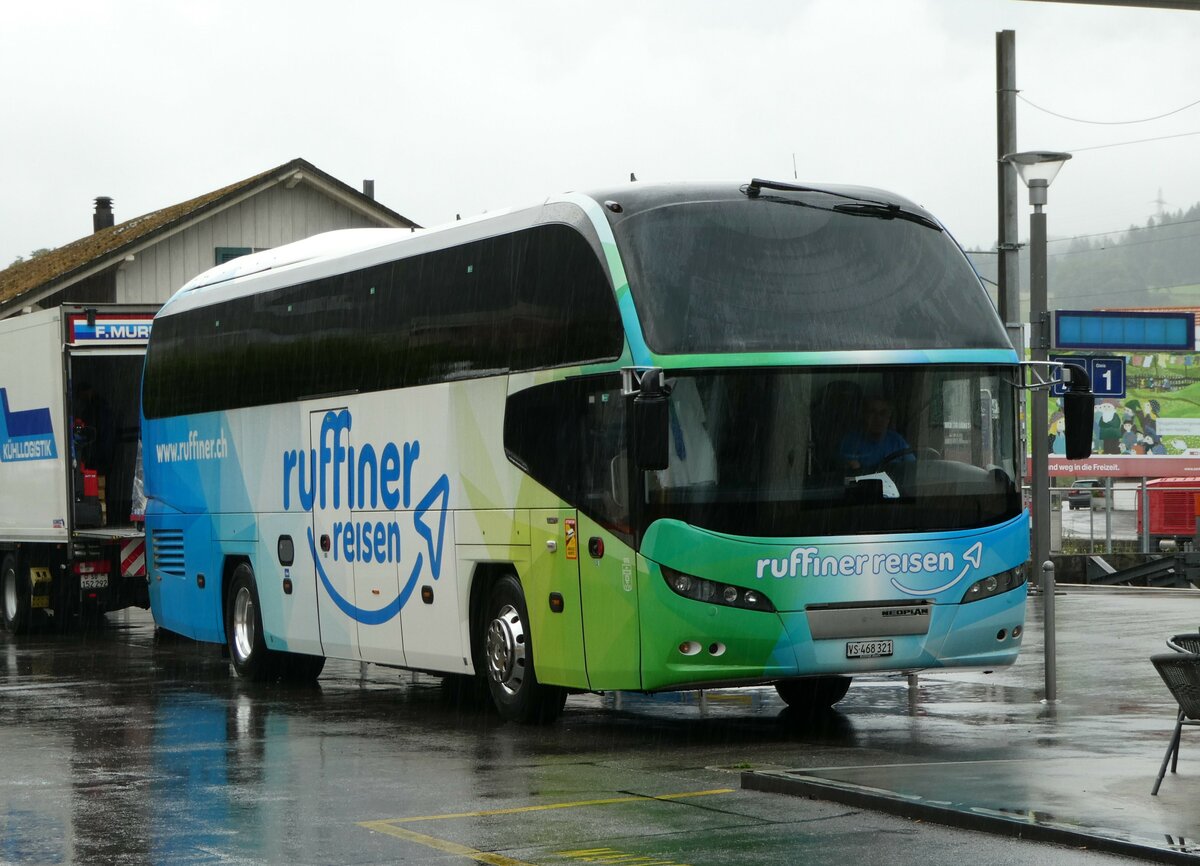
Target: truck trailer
point(71, 538)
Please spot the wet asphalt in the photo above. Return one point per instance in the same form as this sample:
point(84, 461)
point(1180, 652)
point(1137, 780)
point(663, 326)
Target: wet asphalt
point(1076, 771)
point(120, 745)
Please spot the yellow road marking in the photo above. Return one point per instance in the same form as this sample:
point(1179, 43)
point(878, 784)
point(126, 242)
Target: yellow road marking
point(443, 844)
point(389, 826)
point(548, 806)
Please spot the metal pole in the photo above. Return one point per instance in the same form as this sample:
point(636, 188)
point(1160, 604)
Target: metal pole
point(1145, 494)
point(1048, 635)
point(1008, 249)
point(1108, 510)
point(1038, 427)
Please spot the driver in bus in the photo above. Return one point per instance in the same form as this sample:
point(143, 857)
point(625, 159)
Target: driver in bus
point(875, 443)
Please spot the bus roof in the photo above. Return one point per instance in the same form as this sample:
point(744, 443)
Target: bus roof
point(635, 198)
point(322, 254)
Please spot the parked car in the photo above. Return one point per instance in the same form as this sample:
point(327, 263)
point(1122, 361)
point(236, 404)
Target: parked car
point(1084, 491)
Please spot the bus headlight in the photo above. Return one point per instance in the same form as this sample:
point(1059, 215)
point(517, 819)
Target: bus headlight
point(724, 594)
point(994, 584)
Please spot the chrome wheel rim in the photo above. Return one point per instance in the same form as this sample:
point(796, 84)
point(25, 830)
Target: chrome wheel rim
point(506, 650)
point(243, 624)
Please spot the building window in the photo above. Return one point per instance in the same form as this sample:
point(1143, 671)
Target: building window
point(224, 254)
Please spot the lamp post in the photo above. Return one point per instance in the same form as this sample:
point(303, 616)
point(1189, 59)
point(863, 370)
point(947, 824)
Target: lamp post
point(1037, 169)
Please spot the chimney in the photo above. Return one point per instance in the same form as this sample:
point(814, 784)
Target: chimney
point(103, 217)
point(369, 189)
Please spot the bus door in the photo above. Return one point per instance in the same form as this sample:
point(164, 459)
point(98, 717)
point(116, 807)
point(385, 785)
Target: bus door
point(552, 596)
point(357, 583)
point(607, 565)
point(334, 573)
point(608, 585)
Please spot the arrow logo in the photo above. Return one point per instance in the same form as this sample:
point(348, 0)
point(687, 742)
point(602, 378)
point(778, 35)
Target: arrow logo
point(973, 556)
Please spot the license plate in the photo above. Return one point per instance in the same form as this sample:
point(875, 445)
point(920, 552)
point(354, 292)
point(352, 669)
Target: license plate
point(93, 581)
point(868, 649)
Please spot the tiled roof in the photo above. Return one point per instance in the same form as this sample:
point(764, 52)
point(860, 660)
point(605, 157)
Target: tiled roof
point(62, 266)
point(1187, 309)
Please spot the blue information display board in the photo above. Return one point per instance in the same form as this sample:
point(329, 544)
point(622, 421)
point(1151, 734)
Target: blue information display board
point(1124, 331)
point(1107, 375)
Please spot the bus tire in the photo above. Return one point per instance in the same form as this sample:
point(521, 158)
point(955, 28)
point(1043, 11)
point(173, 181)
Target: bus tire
point(813, 693)
point(508, 656)
point(248, 652)
point(15, 595)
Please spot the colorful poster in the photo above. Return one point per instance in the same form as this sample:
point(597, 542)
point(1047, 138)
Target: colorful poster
point(1158, 416)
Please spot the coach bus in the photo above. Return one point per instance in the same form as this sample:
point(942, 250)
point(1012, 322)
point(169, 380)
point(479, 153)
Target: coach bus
point(661, 437)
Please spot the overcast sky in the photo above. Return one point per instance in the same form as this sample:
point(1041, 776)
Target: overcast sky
point(461, 107)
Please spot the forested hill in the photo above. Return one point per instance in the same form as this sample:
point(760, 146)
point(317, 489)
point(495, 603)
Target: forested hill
point(1155, 265)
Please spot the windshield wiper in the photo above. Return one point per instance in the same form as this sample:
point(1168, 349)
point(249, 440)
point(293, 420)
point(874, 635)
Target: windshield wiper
point(886, 212)
point(860, 206)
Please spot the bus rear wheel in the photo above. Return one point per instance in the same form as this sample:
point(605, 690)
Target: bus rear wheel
point(15, 595)
point(508, 656)
point(813, 693)
point(243, 629)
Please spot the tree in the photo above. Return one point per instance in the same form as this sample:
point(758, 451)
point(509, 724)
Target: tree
point(33, 255)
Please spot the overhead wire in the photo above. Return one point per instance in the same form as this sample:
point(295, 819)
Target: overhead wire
point(1131, 229)
point(1124, 231)
point(1125, 244)
point(1108, 122)
point(1108, 234)
point(1135, 141)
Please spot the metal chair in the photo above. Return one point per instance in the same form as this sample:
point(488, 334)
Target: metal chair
point(1181, 672)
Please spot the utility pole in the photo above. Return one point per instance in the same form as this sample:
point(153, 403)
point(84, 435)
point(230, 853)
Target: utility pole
point(1008, 249)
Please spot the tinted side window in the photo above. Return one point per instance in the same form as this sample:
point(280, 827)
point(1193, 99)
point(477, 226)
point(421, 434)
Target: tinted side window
point(570, 436)
point(532, 299)
point(458, 304)
point(564, 310)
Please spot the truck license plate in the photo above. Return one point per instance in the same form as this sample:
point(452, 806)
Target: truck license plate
point(93, 581)
point(868, 649)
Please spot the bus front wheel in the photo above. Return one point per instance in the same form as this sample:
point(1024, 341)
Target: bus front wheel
point(508, 656)
point(15, 595)
point(243, 629)
point(814, 693)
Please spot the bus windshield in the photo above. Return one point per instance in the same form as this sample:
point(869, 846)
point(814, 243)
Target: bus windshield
point(775, 274)
point(839, 451)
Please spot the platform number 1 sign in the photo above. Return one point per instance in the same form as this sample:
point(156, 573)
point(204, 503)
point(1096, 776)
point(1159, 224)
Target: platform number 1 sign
point(1107, 375)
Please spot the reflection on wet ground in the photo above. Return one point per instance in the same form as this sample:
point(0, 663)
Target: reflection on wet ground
point(988, 746)
point(122, 746)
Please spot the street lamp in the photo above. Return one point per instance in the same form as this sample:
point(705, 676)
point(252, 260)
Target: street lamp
point(1037, 169)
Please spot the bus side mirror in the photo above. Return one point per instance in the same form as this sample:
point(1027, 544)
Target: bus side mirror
point(651, 423)
point(1079, 407)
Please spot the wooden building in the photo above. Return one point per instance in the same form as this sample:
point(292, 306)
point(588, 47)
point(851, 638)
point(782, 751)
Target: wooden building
point(145, 259)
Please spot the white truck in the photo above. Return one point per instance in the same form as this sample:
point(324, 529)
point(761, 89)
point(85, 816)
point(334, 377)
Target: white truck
point(71, 537)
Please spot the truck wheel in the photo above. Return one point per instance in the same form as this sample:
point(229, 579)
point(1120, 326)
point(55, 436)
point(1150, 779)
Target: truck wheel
point(15, 595)
point(508, 655)
point(244, 632)
point(814, 693)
